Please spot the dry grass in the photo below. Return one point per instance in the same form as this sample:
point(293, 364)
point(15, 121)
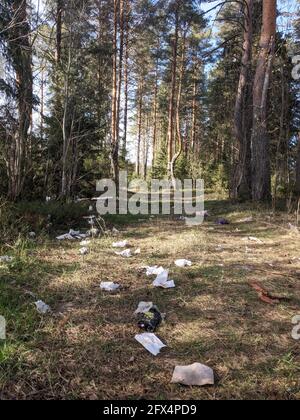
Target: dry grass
point(86, 349)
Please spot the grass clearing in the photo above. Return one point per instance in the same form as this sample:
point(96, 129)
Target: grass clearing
point(86, 348)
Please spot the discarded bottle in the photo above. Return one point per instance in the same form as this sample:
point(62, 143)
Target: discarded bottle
point(150, 321)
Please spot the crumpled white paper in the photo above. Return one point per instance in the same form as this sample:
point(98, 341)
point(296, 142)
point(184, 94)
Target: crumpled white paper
point(162, 281)
point(109, 286)
point(193, 375)
point(85, 243)
point(151, 343)
point(183, 263)
point(6, 259)
point(253, 239)
point(84, 251)
point(93, 232)
point(42, 308)
point(125, 254)
point(122, 244)
point(154, 271)
point(143, 308)
point(72, 236)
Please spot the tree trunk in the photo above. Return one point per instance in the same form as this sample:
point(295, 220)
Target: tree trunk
point(155, 109)
point(297, 189)
point(126, 75)
point(178, 105)
point(172, 95)
point(241, 183)
point(59, 9)
point(120, 72)
point(261, 170)
point(114, 116)
point(139, 139)
point(22, 57)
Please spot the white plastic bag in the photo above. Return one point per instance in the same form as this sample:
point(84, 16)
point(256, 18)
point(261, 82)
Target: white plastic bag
point(84, 251)
point(85, 243)
point(42, 308)
point(143, 308)
point(150, 342)
point(6, 259)
point(154, 271)
point(109, 286)
point(162, 281)
point(193, 375)
point(183, 263)
point(122, 244)
point(125, 254)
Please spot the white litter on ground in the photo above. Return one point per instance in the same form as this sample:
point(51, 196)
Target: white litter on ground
point(6, 259)
point(143, 308)
point(85, 243)
point(72, 236)
point(32, 235)
point(109, 286)
point(93, 232)
point(193, 375)
point(162, 281)
point(253, 239)
point(84, 251)
point(150, 342)
point(183, 263)
point(122, 244)
point(42, 308)
point(153, 271)
point(125, 254)
point(137, 252)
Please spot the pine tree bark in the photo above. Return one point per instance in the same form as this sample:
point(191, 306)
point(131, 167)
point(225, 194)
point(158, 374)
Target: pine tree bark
point(261, 167)
point(241, 182)
point(19, 43)
point(126, 75)
point(297, 188)
point(139, 139)
point(114, 113)
point(173, 94)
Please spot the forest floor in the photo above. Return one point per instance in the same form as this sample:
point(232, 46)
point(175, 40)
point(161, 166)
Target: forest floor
point(86, 347)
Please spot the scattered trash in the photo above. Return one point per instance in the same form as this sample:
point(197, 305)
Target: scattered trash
point(42, 308)
point(150, 342)
point(246, 220)
point(254, 239)
point(162, 281)
point(153, 271)
point(85, 243)
point(84, 251)
point(222, 222)
point(193, 375)
point(122, 244)
point(183, 263)
point(293, 228)
point(137, 252)
point(93, 232)
point(143, 308)
point(6, 259)
point(150, 320)
point(125, 254)
point(109, 286)
point(72, 236)
point(32, 235)
point(266, 296)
